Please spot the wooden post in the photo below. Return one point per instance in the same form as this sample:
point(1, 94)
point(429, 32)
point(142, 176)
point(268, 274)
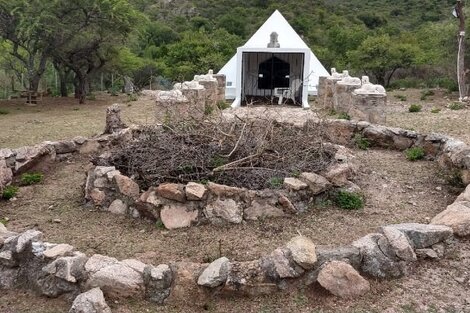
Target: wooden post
point(461, 51)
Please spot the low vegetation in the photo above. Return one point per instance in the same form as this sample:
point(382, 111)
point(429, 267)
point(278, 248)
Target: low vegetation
point(415, 153)
point(31, 178)
point(9, 192)
point(415, 108)
point(361, 142)
point(349, 200)
point(456, 106)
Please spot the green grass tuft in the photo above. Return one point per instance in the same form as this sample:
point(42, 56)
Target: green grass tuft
point(415, 153)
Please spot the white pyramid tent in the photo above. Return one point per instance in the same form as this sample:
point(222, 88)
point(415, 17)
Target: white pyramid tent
point(290, 44)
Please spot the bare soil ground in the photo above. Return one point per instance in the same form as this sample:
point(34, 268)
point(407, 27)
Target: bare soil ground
point(396, 191)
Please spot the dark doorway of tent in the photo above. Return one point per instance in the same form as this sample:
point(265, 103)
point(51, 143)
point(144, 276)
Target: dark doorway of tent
point(272, 78)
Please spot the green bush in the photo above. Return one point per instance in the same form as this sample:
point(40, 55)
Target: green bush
point(456, 106)
point(9, 192)
point(415, 153)
point(349, 200)
point(415, 108)
point(426, 93)
point(31, 178)
point(4, 112)
point(435, 110)
point(344, 116)
point(361, 142)
point(276, 182)
point(159, 224)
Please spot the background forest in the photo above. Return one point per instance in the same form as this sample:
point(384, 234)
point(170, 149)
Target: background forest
point(86, 45)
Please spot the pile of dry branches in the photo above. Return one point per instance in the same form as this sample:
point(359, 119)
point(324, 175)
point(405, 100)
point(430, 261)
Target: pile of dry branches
point(255, 154)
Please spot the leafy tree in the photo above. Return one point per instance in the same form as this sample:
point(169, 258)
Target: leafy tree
point(381, 56)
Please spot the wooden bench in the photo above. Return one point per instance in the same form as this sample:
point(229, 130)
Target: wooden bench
point(32, 97)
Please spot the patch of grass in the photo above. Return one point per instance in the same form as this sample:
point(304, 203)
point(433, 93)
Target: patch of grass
point(222, 105)
point(4, 112)
point(31, 178)
point(344, 116)
point(9, 192)
point(415, 108)
point(426, 93)
point(132, 97)
point(414, 154)
point(332, 112)
point(349, 200)
point(456, 106)
point(401, 97)
point(361, 142)
point(435, 110)
point(276, 182)
point(159, 224)
point(208, 109)
point(4, 221)
point(217, 161)
point(76, 109)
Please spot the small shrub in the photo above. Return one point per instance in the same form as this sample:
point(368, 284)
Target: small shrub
point(344, 116)
point(361, 142)
point(401, 97)
point(349, 200)
point(208, 109)
point(456, 106)
point(415, 153)
point(332, 112)
point(9, 192)
point(4, 112)
point(159, 224)
point(415, 108)
point(426, 93)
point(276, 182)
point(454, 179)
point(218, 161)
point(435, 110)
point(222, 105)
point(31, 178)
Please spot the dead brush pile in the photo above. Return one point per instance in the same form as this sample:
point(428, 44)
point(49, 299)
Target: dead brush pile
point(254, 154)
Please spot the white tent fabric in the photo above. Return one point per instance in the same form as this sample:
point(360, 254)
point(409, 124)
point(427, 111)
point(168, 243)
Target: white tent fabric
point(288, 38)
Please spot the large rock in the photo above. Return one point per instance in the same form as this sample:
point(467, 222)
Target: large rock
point(91, 301)
point(303, 251)
point(221, 211)
point(465, 195)
point(315, 182)
point(279, 265)
point(8, 277)
point(113, 120)
point(62, 147)
point(342, 280)
point(223, 191)
point(424, 235)
point(117, 207)
point(261, 209)
point(456, 216)
point(117, 280)
point(178, 216)
point(6, 174)
point(400, 243)
point(127, 186)
point(339, 174)
point(215, 274)
point(68, 268)
point(249, 279)
point(378, 258)
point(18, 244)
point(58, 251)
point(171, 192)
point(158, 282)
point(294, 184)
point(97, 261)
point(195, 191)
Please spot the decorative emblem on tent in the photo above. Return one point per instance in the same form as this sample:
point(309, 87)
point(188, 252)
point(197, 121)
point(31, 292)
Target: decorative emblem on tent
point(274, 43)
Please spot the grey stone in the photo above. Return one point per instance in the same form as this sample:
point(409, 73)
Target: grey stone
point(68, 268)
point(117, 207)
point(279, 265)
point(8, 277)
point(18, 244)
point(171, 192)
point(378, 259)
point(58, 251)
point(221, 211)
point(215, 273)
point(91, 301)
point(427, 254)
point(424, 235)
point(63, 147)
point(98, 261)
point(100, 171)
point(400, 243)
point(157, 282)
point(127, 186)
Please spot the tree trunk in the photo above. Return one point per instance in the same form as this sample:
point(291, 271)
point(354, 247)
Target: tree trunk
point(461, 51)
point(12, 81)
point(82, 88)
point(63, 83)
